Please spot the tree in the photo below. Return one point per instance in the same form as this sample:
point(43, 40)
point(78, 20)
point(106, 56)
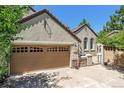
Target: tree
point(9, 25)
point(118, 40)
point(116, 22)
point(84, 21)
point(120, 14)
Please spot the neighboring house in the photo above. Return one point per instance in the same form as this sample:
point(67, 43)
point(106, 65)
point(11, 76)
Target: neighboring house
point(47, 43)
point(112, 33)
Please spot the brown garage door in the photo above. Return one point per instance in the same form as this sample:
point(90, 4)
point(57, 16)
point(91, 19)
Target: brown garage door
point(27, 58)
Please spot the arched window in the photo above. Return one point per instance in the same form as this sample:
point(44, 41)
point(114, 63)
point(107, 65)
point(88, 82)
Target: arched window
point(91, 43)
point(85, 43)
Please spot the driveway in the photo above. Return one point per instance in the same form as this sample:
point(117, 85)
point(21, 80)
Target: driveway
point(96, 76)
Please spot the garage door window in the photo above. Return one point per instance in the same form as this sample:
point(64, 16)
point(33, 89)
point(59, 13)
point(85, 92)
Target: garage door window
point(20, 49)
point(36, 49)
point(14, 50)
point(54, 49)
point(57, 49)
point(62, 49)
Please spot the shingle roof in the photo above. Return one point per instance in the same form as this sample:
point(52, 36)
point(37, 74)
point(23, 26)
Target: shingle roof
point(35, 14)
point(78, 27)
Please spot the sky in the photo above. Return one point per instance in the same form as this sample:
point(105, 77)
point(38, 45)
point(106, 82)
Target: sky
point(72, 15)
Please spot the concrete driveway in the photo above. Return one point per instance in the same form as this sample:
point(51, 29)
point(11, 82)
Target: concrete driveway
point(96, 76)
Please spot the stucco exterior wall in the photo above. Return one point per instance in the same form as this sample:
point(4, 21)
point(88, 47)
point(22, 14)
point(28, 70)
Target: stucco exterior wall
point(86, 32)
point(44, 28)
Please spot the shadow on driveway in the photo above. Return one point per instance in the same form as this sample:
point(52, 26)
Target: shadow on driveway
point(41, 80)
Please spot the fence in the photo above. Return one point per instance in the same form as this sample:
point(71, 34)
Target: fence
point(113, 55)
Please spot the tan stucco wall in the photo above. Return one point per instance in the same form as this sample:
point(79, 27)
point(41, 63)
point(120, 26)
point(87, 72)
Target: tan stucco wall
point(37, 31)
point(86, 32)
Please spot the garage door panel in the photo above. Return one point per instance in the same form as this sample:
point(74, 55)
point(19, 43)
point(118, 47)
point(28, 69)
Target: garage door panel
point(38, 57)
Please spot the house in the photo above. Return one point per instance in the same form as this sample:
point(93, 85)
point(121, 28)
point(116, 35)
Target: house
point(112, 33)
point(88, 38)
point(46, 43)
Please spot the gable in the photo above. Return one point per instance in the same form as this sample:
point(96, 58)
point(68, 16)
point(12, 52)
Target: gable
point(81, 27)
point(45, 28)
point(85, 32)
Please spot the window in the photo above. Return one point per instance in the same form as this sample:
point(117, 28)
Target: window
point(14, 50)
point(85, 43)
point(57, 49)
point(91, 43)
point(26, 49)
point(19, 49)
point(36, 49)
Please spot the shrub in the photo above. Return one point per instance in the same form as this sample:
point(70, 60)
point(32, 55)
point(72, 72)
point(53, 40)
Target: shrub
point(3, 73)
point(9, 26)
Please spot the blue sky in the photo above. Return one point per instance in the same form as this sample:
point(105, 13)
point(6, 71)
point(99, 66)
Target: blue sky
point(72, 15)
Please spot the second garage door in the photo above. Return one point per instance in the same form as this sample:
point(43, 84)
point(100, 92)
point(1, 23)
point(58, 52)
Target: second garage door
point(27, 58)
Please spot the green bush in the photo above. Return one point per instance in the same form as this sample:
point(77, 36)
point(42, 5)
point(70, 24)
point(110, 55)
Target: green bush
point(115, 41)
point(9, 27)
point(3, 73)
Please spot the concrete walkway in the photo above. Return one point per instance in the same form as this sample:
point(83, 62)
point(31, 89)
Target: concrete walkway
point(91, 77)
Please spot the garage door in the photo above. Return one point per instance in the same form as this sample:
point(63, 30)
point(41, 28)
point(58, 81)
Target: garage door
point(27, 58)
